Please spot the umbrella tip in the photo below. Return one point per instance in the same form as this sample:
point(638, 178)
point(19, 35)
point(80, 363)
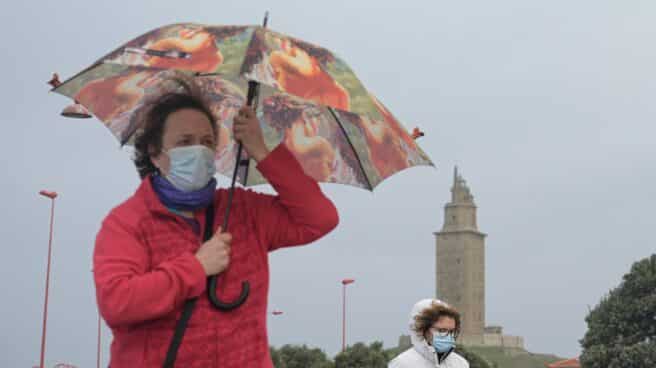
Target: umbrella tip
point(266, 19)
point(417, 133)
point(76, 111)
point(54, 81)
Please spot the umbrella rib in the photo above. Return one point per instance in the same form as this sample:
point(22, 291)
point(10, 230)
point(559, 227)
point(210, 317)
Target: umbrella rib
point(364, 173)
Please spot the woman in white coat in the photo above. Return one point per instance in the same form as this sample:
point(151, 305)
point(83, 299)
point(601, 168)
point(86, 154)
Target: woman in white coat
point(434, 327)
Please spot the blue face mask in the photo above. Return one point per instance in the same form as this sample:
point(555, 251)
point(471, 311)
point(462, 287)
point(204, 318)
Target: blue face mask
point(442, 344)
point(192, 167)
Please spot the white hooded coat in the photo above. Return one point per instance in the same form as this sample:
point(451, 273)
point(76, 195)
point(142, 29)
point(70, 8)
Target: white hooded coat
point(422, 355)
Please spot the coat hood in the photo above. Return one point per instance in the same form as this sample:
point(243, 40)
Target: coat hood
point(419, 343)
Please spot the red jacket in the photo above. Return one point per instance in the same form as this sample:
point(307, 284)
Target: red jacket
point(144, 270)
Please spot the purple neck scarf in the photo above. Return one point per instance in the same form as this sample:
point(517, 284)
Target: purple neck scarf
point(174, 198)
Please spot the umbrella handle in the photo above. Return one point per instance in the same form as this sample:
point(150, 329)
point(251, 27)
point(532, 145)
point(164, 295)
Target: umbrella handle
point(227, 306)
point(245, 285)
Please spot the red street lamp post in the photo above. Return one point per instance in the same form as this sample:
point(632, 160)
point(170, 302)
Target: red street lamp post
point(98, 348)
point(344, 283)
point(52, 196)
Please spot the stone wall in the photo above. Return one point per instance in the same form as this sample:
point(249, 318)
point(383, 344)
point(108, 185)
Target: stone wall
point(505, 341)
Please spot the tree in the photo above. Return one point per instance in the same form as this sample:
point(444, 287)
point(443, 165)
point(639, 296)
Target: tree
point(275, 357)
point(622, 327)
point(360, 355)
point(475, 361)
point(295, 356)
point(392, 353)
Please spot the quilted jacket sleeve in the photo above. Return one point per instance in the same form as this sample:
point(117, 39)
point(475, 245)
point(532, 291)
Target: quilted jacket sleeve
point(300, 213)
point(126, 291)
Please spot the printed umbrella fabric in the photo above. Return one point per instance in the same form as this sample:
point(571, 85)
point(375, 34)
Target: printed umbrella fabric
point(310, 99)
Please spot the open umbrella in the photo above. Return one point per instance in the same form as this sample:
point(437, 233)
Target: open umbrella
point(309, 99)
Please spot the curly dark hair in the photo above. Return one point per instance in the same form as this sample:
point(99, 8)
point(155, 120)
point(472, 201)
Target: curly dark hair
point(148, 141)
point(427, 317)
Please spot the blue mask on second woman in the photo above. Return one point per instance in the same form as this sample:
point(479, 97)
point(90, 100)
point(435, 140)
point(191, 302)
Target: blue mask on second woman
point(442, 344)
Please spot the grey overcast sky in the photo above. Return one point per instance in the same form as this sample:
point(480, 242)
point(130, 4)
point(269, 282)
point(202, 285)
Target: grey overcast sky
point(546, 107)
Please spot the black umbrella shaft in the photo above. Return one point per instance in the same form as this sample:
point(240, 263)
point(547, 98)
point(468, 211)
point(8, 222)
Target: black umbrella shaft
point(253, 89)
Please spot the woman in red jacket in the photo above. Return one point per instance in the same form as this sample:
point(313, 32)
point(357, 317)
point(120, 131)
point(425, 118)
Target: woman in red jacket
point(149, 256)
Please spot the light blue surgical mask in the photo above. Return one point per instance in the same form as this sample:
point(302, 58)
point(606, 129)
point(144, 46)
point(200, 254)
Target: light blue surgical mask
point(192, 167)
point(442, 344)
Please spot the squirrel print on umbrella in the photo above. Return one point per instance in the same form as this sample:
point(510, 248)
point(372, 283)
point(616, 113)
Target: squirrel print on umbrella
point(184, 47)
point(317, 143)
point(194, 47)
point(198, 49)
point(295, 67)
point(124, 90)
point(390, 147)
point(300, 132)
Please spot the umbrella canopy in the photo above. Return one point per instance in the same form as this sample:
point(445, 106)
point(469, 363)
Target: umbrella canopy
point(310, 100)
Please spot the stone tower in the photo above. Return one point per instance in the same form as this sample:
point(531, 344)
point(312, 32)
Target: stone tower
point(460, 262)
